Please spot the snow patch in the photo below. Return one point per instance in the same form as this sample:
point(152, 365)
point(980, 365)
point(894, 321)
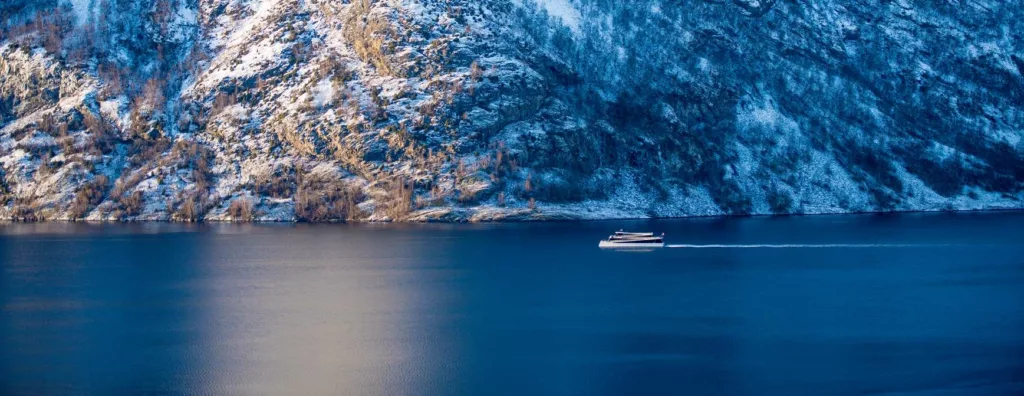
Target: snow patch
point(323, 93)
point(82, 11)
point(564, 10)
point(753, 113)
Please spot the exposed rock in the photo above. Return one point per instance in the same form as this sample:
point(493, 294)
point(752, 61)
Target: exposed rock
point(402, 110)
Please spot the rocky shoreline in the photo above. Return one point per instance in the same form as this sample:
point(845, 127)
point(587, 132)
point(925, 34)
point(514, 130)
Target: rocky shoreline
point(486, 215)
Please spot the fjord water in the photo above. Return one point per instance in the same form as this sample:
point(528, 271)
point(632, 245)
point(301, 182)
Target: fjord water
point(829, 305)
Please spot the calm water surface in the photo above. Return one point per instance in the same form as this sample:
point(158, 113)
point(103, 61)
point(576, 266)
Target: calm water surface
point(902, 304)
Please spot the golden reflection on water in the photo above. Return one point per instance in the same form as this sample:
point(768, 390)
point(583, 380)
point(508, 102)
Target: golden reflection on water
point(511, 309)
point(302, 313)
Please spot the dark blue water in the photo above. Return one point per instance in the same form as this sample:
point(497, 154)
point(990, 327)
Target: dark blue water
point(905, 304)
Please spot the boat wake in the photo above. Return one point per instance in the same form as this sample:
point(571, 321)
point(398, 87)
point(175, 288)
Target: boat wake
point(807, 246)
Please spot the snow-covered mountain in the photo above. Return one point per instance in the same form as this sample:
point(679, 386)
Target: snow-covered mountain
point(323, 110)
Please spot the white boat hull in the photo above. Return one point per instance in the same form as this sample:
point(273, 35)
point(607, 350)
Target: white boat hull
point(618, 245)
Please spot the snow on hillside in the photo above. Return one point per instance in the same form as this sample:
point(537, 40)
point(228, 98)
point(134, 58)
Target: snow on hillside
point(317, 110)
point(564, 11)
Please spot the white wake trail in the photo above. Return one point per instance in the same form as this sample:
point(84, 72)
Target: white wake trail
point(798, 246)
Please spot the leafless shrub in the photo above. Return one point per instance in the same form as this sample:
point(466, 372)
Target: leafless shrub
point(188, 211)
point(372, 37)
point(321, 198)
point(222, 101)
point(241, 210)
point(90, 195)
point(195, 157)
point(26, 210)
point(475, 72)
point(125, 183)
point(52, 25)
point(113, 78)
point(194, 59)
point(437, 197)
point(153, 97)
point(45, 169)
point(278, 184)
point(144, 152)
point(101, 136)
point(399, 199)
point(5, 190)
point(467, 195)
point(131, 205)
point(500, 165)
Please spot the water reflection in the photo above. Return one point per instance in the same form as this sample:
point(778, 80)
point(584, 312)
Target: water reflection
point(513, 308)
point(323, 310)
point(95, 311)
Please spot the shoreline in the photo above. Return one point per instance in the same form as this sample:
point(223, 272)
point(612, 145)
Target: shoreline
point(536, 218)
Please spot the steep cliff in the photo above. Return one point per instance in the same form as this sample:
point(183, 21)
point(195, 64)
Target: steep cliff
point(319, 110)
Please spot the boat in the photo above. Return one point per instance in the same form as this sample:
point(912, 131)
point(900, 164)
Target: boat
point(621, 233)
point(633, 240)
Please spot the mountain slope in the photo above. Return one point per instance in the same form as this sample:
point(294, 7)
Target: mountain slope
point(317, 110)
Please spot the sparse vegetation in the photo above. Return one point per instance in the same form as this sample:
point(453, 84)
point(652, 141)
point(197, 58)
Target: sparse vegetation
point(189, 211)
point(371, 36)
point(5, 189)
point(398, 202)
point(279, 183)
point(87, 197)
point(241, 210)
point(428, 110)
point(26, 210)
point(323, 198)
point(130, 205)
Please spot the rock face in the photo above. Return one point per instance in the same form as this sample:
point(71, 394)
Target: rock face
point(322, 110)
